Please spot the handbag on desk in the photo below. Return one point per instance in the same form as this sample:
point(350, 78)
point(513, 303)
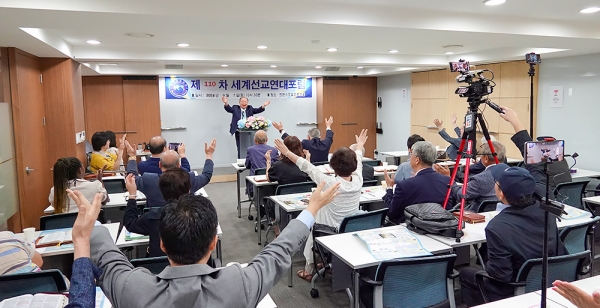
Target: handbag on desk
point(430, 218)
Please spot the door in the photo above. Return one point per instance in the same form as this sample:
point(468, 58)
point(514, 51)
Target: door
point(27, 97)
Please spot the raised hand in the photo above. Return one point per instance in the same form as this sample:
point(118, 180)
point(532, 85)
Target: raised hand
point(181, 150)
point(320, 198)
point(306, 154)
point(268, 155)
point(281, 147)
point(100, 173)
point(511, 117)
point(328, 122)
point(361, 139)
point(267, 103)
point(224, 99)
point(454, 119)
point(130, 149)
point(278, 126)
point(438, 124)
point(388, 179)
point(130, 185)
point(84, 224)
point(210, 149)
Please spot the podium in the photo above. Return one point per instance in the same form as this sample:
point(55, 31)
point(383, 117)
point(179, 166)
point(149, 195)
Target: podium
point(246, 141)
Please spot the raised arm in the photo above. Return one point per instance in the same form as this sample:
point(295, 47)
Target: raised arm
point(521, 135)
point(328, 133)
point(226, 104)
point(360, 144)
point(131, 220)
point(313, 172)
point(204, 178)
point(261, 108)
point(267, 268)
point(279, 128)
point(456, 128)
point(185, 164)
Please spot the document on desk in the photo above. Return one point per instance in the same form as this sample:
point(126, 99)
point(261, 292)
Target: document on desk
point(299, 202)
point(101, 299)
point(574, 213)
point(372, 193)
point(392, 244)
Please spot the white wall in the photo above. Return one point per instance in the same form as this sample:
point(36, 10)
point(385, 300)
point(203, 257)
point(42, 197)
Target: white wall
point(394, 113)
point(577, 122)
point(206, 119)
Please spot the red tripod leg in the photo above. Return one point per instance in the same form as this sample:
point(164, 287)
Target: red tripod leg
point(464, 188)
point(456, 166)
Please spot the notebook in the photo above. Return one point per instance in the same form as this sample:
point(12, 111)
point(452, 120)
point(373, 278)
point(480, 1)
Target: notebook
point(54, 238)
point(34, 301)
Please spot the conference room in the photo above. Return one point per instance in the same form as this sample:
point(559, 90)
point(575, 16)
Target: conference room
point(313, 145)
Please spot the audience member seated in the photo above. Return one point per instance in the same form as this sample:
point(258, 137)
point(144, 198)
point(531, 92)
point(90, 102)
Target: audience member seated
point(347, 165)
point(427, 186)
point(284, 171)
point(577, 296)
point(173, 184)
point(368, 172)
point(17, 256)
point(513, 236)
point(149, 182)
point(454, 142)
point(68, 174)
point(158, 145)
point(405, 170)
point(481, 187)
point(255, 156)
point(319, 149)
point(112, 137)
point(102, 158)
point(188, 232)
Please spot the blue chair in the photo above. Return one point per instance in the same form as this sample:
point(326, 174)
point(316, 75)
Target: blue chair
point(571, 193)
point(359, 222)
point(61, 221)
point(50, 281)
point(370, 183)
point(529, 277)
point(154, 265)
point(577, 238)
point(411, 282)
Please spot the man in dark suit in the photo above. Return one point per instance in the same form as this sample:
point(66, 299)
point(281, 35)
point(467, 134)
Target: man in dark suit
point(158, 145)
point(319, 149)
point(427, 186)
point(514, 236)
point(239, 112)
point(255, 156)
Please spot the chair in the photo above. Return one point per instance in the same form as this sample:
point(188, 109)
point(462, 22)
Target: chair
point(51, 281)
point(286, 189)
point(154, 265)
point(411, 282)
point(487, 206)
point(261, 171)
point(61, 221)
point(114, 186)
point(373, 163)
point(576, 238)
point(529, 278)
point(571, 193)
point(359, 222)
point(370, 183)
point(320, 163)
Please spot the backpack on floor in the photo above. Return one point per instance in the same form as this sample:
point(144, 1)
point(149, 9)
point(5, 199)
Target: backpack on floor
point(430, 218)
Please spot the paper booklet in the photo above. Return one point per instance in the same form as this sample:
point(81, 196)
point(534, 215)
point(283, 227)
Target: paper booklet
point(130, 236)
point(296, 202)
point(573, 213)
point(36, 301)
point(54, 238)
point(260, 178)
point(393, 243)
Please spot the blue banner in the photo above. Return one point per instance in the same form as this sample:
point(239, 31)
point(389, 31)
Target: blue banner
point(211, 88)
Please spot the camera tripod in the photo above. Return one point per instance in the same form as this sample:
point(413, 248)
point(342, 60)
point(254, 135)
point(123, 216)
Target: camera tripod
point(469, 138)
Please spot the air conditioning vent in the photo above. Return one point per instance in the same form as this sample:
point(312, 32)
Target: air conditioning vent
point(332, 68)
point(174, 66)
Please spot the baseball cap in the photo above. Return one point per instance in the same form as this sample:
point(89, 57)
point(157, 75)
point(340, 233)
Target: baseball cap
point(514, 182)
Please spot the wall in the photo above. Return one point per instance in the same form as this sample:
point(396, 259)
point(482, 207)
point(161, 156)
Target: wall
point(577, 121)
point(205, 119)
point(394, 113)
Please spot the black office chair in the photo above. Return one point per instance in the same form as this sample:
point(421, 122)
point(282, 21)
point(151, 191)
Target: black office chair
point(320, 163)
point(114, 186)
point(48, 281)
point(61, 221)
point(487, 206)
point(370, 183)
point(571, 193)
point(373, 163)
point(154, 265)
point(359, 222)
point(261, 171)
point(287, 189)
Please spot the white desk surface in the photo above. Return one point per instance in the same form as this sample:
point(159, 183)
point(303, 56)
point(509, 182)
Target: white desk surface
point(463, 161)
point(250, 178)
point(368, 195)
point(475, 233)
point(595, 200)
point(202, 192)
point(238, 167)
point(354, 252)
point(582, 173)
point(529, 300)
point(121, 242)
point(588, 285)
point(395, 153)
point(142, 153)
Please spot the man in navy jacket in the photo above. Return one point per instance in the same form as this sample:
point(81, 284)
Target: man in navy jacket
point(319, 149)
point(238, 112)
point(158, 145)
point(255, 156)
point(427, 186)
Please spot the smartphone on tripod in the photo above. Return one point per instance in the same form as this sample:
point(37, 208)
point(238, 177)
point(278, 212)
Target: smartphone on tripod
point(542, 151)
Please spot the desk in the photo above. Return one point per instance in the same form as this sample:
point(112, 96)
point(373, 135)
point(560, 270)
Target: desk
point(238, 170)
point(115, 200)
point(463, 162)
point(582, 173)
point(257, 187)
point(594, 200)
point(588, 285)
point(529, 300)
point(354, 253)
point(397, 155)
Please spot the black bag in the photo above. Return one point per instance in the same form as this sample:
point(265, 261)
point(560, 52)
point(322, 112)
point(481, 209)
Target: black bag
point(430, 218)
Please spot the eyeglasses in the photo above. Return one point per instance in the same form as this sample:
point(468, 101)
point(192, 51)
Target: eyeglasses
point(498, 185)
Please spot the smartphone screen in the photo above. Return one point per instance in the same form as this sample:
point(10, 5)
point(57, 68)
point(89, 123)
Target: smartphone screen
point(459, 66)
point(541, 151)
point(174, 146)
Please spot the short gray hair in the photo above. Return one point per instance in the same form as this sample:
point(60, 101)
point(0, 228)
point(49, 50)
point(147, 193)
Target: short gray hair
point(425, 151)
point(498, 147)
point(314, 133)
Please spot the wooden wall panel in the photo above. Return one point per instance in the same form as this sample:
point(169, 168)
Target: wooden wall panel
point(420, 85)
point(78, 110)
point(27, 97)
point(142, 110)
point(352, 105)
point(438, 85)
point(103, 104)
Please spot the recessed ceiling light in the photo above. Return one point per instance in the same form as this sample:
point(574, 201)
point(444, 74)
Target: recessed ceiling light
point(273, 66)
point(493, 2)
point(590, 10)
point(262, 47)
point(224, 65)
point(140, 35)
point(449, 52)
point(93, 42)
point(331, 49)
point(183, 45)
point(359, 67)
point(318, 66)
point(393, 51)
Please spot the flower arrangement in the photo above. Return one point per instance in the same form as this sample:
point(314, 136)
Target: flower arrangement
point(254, 123)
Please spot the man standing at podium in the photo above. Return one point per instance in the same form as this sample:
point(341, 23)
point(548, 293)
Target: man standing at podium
point(241, 112)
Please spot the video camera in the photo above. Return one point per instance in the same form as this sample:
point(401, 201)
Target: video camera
point(478, 85)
